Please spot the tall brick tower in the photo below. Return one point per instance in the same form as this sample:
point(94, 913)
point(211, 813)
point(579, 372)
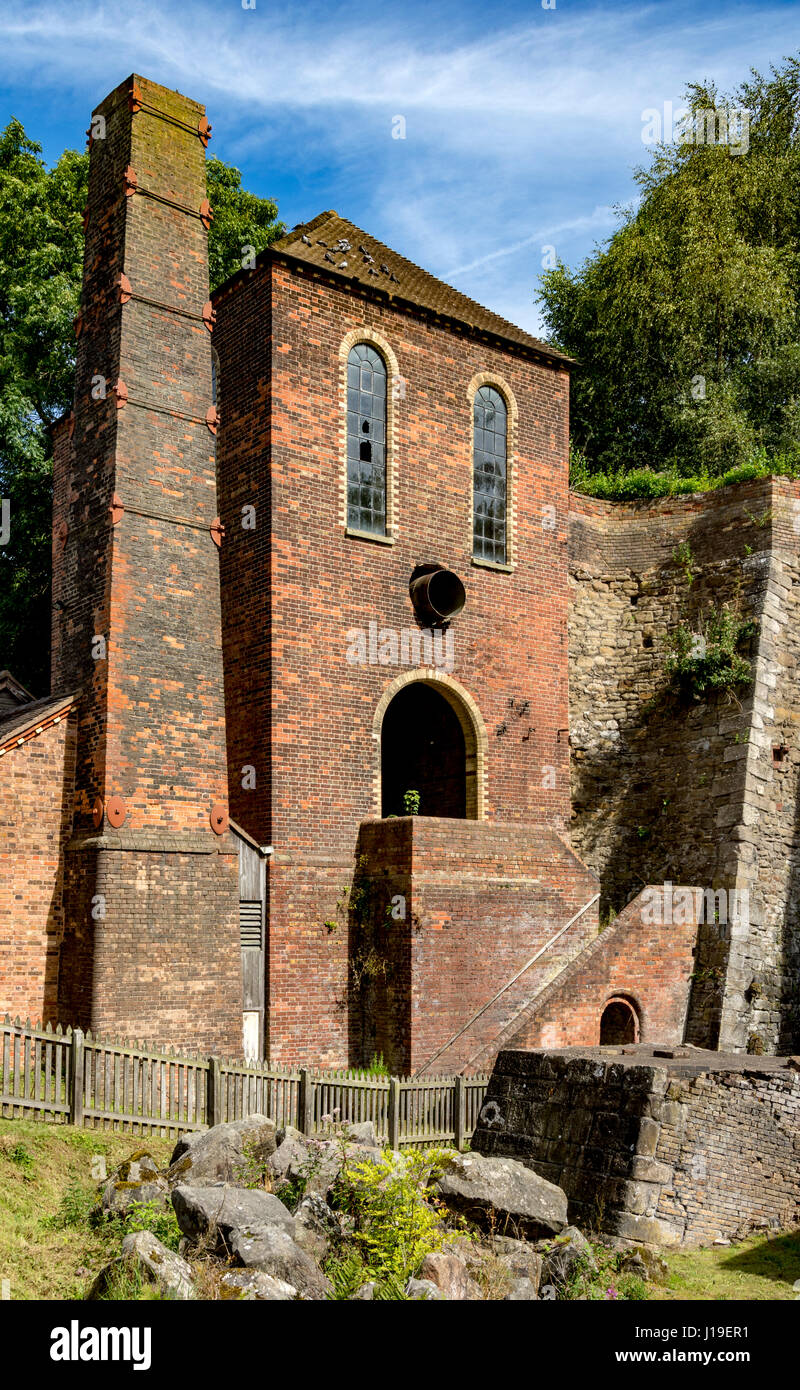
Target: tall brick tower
point(151, 945)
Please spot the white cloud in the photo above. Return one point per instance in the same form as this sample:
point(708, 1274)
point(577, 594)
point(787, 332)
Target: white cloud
point(520, 131)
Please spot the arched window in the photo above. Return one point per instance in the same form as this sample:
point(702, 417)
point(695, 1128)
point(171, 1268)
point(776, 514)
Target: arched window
point(366, 440)
point(489, 476)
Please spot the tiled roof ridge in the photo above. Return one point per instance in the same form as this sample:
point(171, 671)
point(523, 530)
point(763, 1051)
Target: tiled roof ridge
point(31, 720)
point(416, 286)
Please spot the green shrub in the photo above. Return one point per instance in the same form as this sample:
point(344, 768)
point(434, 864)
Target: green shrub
point(78, 1207)
point(395, 1222)
point(17, 1153)
point(704, 663)
point(151, 1216)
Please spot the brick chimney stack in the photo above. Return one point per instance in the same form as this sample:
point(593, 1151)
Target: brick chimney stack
point(151, 940)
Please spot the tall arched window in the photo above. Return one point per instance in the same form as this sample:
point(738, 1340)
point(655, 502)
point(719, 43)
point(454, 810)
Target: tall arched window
point(489, 476)
point(366, 440)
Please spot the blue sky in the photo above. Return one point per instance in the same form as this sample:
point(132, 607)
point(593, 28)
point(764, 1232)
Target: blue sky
point(522, 124)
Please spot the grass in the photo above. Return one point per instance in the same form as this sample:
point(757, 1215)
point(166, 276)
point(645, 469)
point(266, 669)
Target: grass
point(46, 1189)
point(756, 1269)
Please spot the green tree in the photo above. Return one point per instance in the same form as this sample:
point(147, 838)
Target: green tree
point(41, 260)
point(686, 323)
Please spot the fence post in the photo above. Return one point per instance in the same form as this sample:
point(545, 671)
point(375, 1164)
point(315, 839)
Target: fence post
point(458, 1112)
point(306, 1102)
point(394, 1113)
point(76, 1076)
point(214, 1093)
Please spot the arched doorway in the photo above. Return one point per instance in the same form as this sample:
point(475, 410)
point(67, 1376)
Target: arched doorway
point(619, 1022)
point(423, 749)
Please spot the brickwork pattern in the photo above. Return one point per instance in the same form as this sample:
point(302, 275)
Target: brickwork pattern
point(159, 957)
point(298, 713)
point(36, 785)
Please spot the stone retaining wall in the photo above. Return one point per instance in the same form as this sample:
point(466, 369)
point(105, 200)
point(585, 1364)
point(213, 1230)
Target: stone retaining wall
point(676, 1147)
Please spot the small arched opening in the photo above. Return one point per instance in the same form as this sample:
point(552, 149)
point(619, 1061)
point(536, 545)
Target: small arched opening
point(619, 1022)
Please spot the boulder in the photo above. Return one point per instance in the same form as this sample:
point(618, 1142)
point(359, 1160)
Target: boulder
point(316, 1227)
point(522, 1290)
point(290, 1159)
point(221, 1213)
point(365, 1293)
point(450, 1275)
point(363, 1133)
point(143, 1254)
point(647, 1264)
point(225, 1153)
point(417, 1289)
point(253, 1285)
point(502, 1193)
point(275, 1253)
point(289, 1132)
point(315, 1164)
point(135, 1182)
point(561, 1257)
point(521, 1260)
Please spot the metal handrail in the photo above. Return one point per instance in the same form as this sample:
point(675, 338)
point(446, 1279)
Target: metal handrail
point(508, 984)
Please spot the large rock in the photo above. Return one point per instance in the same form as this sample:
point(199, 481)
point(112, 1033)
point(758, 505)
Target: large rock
point(316, 1227)
point(220, 1214)
point(290, 1159)
point(363, 1133)
point(135, 1182)
point(503, 1194)
point(521, 1261)
point(253, 1285)
point(274, 1252)
point(522, 1290)
point(418, 1289)
point(450, 1274)
point(314, 1165)
point(564, 1256)
point(144, 1255)
point(225, 1153)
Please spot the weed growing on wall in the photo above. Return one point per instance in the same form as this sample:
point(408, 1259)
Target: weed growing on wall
point(710, 662)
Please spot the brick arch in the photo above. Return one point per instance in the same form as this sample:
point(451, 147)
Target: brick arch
point(623, 1002)
point(472, 727)
point(393, 376)
point(500, 384)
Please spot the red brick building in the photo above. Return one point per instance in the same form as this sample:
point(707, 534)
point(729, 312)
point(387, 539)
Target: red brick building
point(325, 596)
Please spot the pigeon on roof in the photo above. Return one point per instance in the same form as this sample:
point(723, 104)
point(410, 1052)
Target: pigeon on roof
point(306, 239)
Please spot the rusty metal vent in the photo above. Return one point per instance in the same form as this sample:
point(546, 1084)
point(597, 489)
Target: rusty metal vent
point(250, 933)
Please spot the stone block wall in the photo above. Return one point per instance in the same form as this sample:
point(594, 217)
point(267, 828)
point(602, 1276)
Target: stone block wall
point(699, 791)
point(679, 1148)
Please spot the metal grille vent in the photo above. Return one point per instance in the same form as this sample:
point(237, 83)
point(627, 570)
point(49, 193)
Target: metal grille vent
point(250, 925)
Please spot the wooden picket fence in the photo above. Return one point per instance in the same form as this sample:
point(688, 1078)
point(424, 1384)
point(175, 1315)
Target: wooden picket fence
point(71, 1077)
